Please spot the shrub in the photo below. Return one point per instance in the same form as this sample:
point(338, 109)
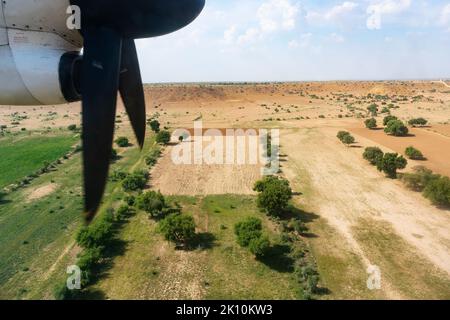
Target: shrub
point(371, 123)
point(388, 118)
point(438, 191)
point(274, 194)
point(413, 154)
point(122, 142)
point(163, 137)
point(135, 181)
point(373, 155)
point(390, 163)
point(419, 179)
point(118, 176)
point(259, 246)
point(348, 140)
point(418, 122)
point(396, 128)
point(97, 234)
point(72, 127)
point(155, 126)
point(178, 228)
point(152, 158)
point(113, 154)
point(298, 226)
point(151, 202)
point(89, 258)
point(130, 200)
point(248, 229)
point(123, 212)
point(373, 109)
point(342, 134)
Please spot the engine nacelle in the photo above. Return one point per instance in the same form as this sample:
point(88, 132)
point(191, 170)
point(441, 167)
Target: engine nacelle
point(37, 68)
point(39, 55)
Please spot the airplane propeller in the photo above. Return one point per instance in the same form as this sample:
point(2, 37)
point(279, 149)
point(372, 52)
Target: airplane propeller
point(110, 64)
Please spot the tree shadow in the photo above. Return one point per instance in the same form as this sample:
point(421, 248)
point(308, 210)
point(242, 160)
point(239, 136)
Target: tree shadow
point(91, 294)
point(278, 259)
point(115, 248)
point(202, 241)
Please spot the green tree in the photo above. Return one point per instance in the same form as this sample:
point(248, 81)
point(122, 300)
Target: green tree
point(274, 194)
point(122, 142)
point(438, 191)
point(151, 202)
point(247, 230)
point(348, 140)
point(371, 123)
point(373, 109)
point(135, 181)
point(155, 125)
point(342, 134)
point(178, 228)
point(373, 155)
point(418, 122)
point(163, 137)
point(259, 246)
point(390, 163)
point(388, 118)
point(413, 154)
point(396, 128)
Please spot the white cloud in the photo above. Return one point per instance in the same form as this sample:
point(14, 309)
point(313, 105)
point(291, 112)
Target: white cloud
point(230, 34)
point(274, 15)
point(333, 15)
point(378, 9)
point(251, 35)
point(337, 38)
point(444, 19)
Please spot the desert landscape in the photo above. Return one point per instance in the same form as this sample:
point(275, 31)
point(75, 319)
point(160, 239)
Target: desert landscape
point(356, 217)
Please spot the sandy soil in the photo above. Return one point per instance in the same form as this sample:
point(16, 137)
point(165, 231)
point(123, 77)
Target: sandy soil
point(434, 146)
point(346, 189)
point(42, 192)
point(203, 179)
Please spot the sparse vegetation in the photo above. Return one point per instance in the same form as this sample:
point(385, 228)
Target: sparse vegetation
point(413, 154)
point(135, 181)
point(371, 123)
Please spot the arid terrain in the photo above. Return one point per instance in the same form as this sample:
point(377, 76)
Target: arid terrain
point(357, 217)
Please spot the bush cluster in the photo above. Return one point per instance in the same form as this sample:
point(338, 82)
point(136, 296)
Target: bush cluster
point(371, 123)
point(274, 194)
point(433, 186)
point(396, 128)
point(345, 137)
point(249, 234)
point(414, 154)
point(135, 181)
point(388, 163)
point(163, 137)
point(418, 122)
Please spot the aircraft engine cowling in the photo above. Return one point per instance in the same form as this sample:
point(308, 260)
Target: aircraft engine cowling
point(38, 68)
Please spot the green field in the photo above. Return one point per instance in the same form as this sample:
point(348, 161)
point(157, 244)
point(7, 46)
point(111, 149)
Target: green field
point(37, 234)
point(24, 154)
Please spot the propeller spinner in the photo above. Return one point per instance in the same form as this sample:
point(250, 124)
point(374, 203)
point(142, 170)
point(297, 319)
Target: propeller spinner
point(110, 64)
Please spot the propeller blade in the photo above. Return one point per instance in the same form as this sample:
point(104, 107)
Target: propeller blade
point(132, 90)
point(99, 84)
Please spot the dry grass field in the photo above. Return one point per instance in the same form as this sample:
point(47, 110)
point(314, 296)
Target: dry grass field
point(361, 218)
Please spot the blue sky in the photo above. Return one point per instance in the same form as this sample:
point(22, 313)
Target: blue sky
point(289, 40)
